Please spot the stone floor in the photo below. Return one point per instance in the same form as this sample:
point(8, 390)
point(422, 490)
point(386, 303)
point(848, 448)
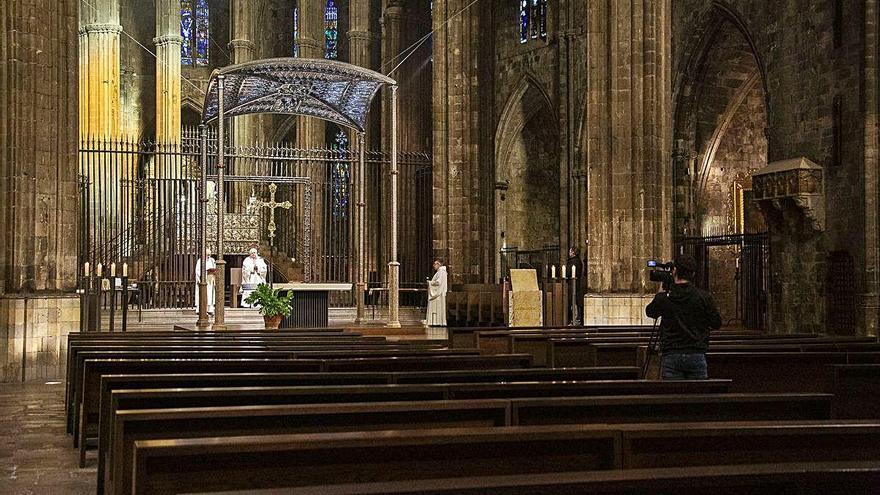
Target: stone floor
point(36, 455)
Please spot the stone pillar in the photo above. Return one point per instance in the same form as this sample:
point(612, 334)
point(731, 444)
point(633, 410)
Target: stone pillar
point(99, 68)
point(168, 44)
point(392, 44)
point(310, 131)
point(628, 156)
point(242, 129)
point(460, 109)
point(359, 33)
point(242, 49)
point(38, 180)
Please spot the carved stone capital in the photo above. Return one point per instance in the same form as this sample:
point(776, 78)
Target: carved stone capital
point(100, 28)
point(359, 35)
point(168, 39)
point(239, 44)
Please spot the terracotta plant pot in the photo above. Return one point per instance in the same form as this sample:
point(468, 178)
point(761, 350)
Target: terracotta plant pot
point(273, 322)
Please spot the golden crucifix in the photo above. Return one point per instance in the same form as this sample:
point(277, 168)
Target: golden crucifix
point(272, 205)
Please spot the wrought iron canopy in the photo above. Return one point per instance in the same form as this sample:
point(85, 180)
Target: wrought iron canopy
point(325, 89)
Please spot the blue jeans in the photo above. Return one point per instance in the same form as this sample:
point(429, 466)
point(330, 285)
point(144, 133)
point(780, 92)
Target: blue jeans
point(675, 366)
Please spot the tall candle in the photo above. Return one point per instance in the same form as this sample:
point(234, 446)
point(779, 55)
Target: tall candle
point(563, 271)
point(86, 270)
point(98, 270)
point(112, 269)
point(125, 269)
point(552, 271)
point(573, 271)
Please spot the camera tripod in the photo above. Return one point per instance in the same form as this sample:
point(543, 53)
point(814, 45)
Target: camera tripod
point(653, 342)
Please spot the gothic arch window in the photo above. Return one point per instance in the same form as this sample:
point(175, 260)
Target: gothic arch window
point(331, 31)
point(195, 29)
point(532, 20)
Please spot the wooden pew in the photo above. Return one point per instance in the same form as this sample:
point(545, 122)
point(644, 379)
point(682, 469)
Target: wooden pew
point(253, 462)
point(671, 408)
point(111, 382)
point(132, 426)
point(86, 413)
point(780, 372)
point(816, 478)
point(856, 389)
point(77, 380)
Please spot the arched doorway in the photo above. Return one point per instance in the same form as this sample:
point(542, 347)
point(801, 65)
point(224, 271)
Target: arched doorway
point(527, 177)
point(720, 140)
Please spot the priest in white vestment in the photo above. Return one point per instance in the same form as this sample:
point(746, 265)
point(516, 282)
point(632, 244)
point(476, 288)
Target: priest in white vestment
point(210, 268)
point(253, 273)
point(437, 288)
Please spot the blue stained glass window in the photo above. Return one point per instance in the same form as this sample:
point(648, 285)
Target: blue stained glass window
point(186, 32)
point(532, 20)
point(195, 29)
point(203, 32)
point(295, 50)
point(331, 31)
point(340, 177)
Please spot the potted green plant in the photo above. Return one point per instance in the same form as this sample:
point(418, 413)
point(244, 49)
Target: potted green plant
point(272, 306)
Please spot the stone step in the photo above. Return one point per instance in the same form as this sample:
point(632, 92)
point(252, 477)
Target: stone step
point(250, 318)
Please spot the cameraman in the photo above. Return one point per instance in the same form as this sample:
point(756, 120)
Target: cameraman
point(688, 314)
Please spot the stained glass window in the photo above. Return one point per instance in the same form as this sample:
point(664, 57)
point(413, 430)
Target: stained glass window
point(543, 24)
point(331, 31)
point(532, 20)
point(203, 32)
point(195, 29)
point(186, 32)
point(295, 32)
point(340, 177)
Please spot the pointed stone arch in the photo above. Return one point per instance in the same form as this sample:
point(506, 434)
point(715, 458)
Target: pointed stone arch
point(721, 72)
point(527, 171)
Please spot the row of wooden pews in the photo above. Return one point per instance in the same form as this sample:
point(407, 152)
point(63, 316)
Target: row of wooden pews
point(334, 412)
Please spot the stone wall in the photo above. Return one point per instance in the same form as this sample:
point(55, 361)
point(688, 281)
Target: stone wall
point(33, 336)
point(39, 209)
point(809, 54)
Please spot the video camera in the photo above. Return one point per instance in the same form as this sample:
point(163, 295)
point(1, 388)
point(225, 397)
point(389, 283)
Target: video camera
point(661, 272)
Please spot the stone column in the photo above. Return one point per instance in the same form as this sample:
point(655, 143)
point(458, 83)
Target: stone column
point(309, 130)
point(39, 211)
point(460, 109)
point(242, 49)
point(242, 129)
point(99, 32)
point(359, 33)
point(168, 43)
point(627, 146)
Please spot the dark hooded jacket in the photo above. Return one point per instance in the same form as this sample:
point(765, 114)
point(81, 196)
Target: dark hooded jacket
point(688, 314)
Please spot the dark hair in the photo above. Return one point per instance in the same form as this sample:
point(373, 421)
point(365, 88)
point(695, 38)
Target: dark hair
point(685, 266)
point(439, 260)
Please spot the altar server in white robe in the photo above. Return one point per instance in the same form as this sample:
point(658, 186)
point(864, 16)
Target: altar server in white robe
point(437, 288)
point(210, 268)
point(253, 273)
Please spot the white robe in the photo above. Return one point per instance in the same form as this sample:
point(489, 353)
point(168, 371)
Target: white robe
point(212, 289)
point(437, 288)
point(248, 276)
